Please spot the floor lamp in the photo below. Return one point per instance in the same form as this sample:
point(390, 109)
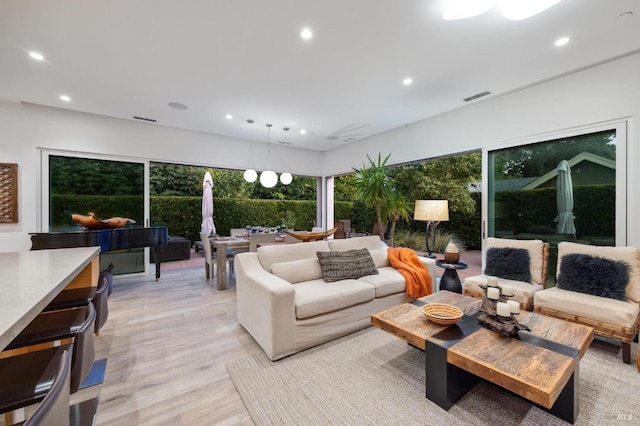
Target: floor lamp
point(432, 212)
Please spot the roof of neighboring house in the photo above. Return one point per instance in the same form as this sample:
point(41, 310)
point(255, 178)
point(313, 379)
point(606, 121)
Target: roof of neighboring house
point(513, 184)
point(583, 156)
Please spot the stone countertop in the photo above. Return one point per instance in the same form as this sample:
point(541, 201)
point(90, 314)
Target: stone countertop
point(31, 279)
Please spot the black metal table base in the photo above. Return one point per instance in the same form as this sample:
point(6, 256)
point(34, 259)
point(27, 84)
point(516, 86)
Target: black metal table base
point(450, 281)
point(447, 383)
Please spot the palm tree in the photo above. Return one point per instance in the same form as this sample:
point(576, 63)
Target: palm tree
point(374, 188)
point(397, 208)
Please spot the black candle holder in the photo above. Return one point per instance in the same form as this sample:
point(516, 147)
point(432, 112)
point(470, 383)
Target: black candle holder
point(507, 326)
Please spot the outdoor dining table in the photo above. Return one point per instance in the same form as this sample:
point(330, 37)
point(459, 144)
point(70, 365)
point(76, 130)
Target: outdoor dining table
point(221, 245)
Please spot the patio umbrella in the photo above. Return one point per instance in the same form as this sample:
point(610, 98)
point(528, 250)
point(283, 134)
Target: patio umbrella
point(564, 199)
point(207, 226)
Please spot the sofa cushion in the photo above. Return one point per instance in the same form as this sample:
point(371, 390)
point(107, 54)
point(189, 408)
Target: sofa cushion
point(340, 265)
point(380, 257)
point(610, 311)
point(370, 242)
point(534, 247)
point(594, 275)
point(296, 271)
point(387, 281)
point(318, 297)
point(630, 255)
point(508, 263)
point(268, 255)
point(522, 291)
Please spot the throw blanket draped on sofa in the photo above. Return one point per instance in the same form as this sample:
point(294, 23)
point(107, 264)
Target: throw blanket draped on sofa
point(417, 276)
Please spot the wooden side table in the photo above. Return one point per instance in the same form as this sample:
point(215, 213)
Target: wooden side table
point(450, 279)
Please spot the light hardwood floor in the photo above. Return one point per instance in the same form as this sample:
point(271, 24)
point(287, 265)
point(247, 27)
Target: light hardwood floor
point(167, 344)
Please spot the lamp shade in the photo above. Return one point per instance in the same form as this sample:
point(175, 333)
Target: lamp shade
point(431, 210)
point(268, 178)
point(250, 175)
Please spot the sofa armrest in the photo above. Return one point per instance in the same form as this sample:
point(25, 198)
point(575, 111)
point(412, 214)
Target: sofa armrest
point(431, 266)
point(265, 306)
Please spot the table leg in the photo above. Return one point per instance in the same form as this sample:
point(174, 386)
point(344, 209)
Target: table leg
point(157, 253)
point(446, 383)
point(221, 266)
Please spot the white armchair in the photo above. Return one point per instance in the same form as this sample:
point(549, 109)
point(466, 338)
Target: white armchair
point(523, 291)
point(616, 319)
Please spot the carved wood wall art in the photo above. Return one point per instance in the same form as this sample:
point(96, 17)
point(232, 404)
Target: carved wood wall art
point(8, 193)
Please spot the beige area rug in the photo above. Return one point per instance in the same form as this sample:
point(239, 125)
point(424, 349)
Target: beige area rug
point(373, 378)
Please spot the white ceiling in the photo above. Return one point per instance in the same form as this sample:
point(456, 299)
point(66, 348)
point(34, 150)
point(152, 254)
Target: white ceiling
point(125, 58)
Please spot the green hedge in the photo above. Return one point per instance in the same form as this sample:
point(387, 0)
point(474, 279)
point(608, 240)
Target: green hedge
point(534, 211)
point(182, 215)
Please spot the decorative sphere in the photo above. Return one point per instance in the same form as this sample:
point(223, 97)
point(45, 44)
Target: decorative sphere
point(250, 175)
point(268, 179)
point(286, 178)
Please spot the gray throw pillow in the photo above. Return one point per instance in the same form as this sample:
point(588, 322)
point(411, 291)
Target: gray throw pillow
point(340, 265)
point(594, 275)
point(508, 263)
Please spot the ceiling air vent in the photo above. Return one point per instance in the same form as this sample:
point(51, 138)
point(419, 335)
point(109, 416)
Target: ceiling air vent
point(150, 120)
point(474, 97)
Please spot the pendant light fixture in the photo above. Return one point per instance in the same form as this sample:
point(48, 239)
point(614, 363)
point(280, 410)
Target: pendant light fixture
point(250, 175)
point(286, 177)
point(268, 178)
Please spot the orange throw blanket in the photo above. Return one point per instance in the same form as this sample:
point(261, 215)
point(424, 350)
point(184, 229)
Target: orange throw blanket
point(417, 276)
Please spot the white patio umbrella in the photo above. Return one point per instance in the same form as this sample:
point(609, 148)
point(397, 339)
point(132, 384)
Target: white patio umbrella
point(207, 226)
point(564, 200)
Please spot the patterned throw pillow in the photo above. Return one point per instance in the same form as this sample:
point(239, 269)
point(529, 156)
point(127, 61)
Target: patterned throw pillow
point(509, 264)
point(594, 275)
point(340, 265)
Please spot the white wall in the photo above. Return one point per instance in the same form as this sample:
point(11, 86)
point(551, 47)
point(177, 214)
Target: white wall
point(603, 93)
point(24, 128)
point(599, 94)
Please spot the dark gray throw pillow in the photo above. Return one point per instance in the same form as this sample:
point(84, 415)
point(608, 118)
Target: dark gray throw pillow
point(594, 275)
point(340, 265)
point(508, 263)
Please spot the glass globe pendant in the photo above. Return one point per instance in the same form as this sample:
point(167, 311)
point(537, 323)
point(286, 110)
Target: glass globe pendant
point(268, 178)
point(286, 178)
point(250, 175)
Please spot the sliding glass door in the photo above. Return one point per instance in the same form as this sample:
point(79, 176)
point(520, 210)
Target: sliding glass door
point(74, 184)
point(566, 188)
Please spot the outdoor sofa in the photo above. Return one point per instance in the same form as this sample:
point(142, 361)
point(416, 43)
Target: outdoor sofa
point(286, 305)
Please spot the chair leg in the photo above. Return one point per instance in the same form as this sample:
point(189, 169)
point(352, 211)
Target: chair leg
point(626, 352)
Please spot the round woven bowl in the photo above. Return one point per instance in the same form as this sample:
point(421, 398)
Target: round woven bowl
point(442, 314)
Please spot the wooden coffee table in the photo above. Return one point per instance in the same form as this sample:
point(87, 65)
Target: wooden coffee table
point(541, 366)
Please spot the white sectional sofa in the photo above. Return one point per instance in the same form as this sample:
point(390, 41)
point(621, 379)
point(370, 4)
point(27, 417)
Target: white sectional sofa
point(284, 303)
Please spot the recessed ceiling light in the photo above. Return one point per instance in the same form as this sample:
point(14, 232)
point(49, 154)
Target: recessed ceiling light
point(562, 41)
point(228, 116)
point(65, 98)
point(407, 81)
point(177, 105)
point(37, 56)
point(306, 34)
point(303, 132)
